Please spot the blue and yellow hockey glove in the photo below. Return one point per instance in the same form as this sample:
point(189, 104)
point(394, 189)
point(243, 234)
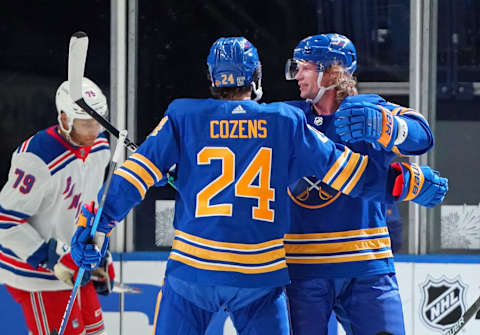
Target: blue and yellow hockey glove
point(84, 252)
point(364, 121)
point(419, 184)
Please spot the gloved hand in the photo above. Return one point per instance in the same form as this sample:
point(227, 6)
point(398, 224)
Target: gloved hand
point(88, 215)
point(84, 253)
point(420, 184)
point(364, 121)
point(55, 256)
point(103, 277)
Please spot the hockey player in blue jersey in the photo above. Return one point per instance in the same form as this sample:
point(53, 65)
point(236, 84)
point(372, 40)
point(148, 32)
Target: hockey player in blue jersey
point(235, 158)
point(338, 247)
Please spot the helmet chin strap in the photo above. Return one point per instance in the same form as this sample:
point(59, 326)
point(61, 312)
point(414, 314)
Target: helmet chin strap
point(321, 91)
point(258, 92)
point(66, 132)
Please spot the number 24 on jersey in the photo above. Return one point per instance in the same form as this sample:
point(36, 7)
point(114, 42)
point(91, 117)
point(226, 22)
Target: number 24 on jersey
point(259, 166)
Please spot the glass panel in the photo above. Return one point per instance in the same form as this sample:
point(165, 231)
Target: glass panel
point(455, 226)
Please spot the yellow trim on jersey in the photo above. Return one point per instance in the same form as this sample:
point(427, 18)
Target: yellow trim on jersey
point(416, 181)
point(398, 153)
point(336, 166)
point(148, 163)
point(314, 248)
point(140, 171)
point(140, 188)
point(157, 307)
point(251, 258)
point(340, 234)
point(358, 174)
point(387, 126)
point(396, 110)
point(346, 171)
point(339, 258)
point(228, 245)
point(228, 267)
point(295, 200)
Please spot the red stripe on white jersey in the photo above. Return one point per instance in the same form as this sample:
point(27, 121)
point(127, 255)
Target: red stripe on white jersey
point(25, 145)
point(7, 259)
point(60, 159)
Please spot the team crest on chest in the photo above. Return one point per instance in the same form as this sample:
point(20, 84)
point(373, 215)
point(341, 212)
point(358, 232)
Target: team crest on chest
point(70, 195)
point(312, 193)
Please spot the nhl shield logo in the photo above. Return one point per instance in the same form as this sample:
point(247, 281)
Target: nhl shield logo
point(443, 302)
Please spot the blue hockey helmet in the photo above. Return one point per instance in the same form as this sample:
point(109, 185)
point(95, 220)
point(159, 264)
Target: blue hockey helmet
point(232, 62)
point(324, 50)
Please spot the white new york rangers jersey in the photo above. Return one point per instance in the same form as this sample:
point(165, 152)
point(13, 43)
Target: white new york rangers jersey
point(47, 182)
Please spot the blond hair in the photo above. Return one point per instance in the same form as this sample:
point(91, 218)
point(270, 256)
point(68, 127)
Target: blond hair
point(346, 84)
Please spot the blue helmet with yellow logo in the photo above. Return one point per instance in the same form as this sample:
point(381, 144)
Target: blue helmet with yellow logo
point(232, 62)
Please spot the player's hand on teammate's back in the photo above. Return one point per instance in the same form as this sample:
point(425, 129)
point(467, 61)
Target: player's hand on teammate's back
point(364, 121)
point(103, 277)
point(421, 184)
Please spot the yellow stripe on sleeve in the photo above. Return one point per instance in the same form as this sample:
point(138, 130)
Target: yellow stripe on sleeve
point(140, 188)
point(346, 172)
point(396, 110)
point(148, 163)
point(398, 153)
point(140, 171)
point(358, 174)
point(336, 166)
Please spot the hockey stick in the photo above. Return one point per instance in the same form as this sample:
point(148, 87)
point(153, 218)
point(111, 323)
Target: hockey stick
point(98, 237)
point(77, 57)
point(471, 311)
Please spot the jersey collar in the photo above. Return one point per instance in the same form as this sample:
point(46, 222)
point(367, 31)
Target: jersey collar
point(80, 152)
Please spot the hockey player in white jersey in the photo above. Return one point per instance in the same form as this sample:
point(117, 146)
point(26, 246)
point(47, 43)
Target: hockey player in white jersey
point(51, 173)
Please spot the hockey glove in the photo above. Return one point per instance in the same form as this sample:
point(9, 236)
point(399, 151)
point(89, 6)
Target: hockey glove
point(84, 252)
point(88, 215)
point(56, 257)
point(420, 184)
point(103, 277)
point(364, 121)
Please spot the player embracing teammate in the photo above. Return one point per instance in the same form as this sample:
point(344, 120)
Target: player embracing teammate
point(235, 158)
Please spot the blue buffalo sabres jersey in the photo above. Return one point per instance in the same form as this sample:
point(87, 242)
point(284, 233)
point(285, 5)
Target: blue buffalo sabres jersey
point(336, 235)
point(234, 161)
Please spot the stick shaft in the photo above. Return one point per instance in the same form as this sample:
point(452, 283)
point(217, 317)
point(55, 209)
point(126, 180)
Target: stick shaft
point(99, 237)
point(471, 311)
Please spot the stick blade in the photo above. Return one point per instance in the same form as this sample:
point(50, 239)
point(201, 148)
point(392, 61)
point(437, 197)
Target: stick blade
point(77, 56)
